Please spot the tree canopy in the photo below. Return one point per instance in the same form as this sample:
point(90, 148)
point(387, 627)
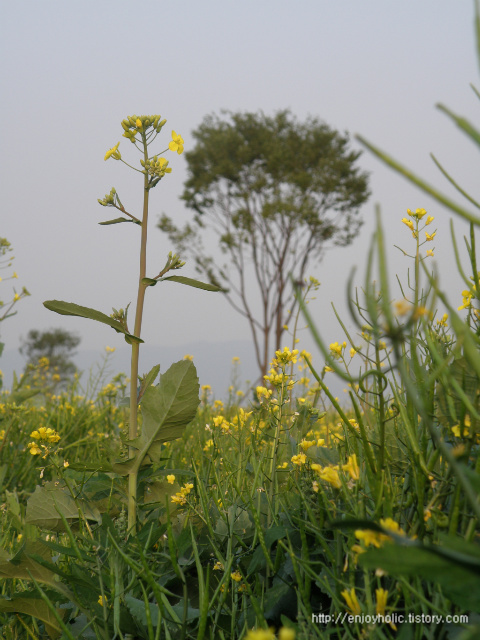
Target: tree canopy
point(276, 192)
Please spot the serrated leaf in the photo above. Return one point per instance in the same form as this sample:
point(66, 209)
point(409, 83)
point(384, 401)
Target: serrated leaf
point(167, 409)
point(72, 309)
point(36, 608)
point(46, 504)
point(192, 283)
point(116, 221)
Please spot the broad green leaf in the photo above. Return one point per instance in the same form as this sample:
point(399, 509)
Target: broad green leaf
point(116, 221)
point(137, 609)
point(192, 283)
point(457, 572)
point(44, 505)
point(167, 409)
point(24, 567)
point(36, 608)
point(72, 309)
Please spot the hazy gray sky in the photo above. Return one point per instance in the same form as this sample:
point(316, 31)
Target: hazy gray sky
point(73, 70)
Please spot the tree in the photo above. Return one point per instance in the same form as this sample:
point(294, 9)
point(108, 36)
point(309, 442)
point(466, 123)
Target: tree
point(51, 350)
point(277, 193)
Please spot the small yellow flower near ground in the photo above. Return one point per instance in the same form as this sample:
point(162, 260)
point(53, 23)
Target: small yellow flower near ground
point(352, 602)
point(299, 459)
point(260, 634)
point(286, 633)
point(382, 597)
point(352, 467)
point(170, 478)
point(402, 307)
point(102, 600)
point(176, 143)
point(331, 476)
point(315, 486)
point(236, 575)
point(306, 444)
point(218, 566)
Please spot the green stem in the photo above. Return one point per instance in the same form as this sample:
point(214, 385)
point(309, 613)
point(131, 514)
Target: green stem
point(133, 425)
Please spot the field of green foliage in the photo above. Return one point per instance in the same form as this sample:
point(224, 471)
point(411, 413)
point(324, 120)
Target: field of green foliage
point(275, 514)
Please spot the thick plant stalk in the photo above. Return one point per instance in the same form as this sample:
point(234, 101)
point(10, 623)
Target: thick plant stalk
point(133, 423)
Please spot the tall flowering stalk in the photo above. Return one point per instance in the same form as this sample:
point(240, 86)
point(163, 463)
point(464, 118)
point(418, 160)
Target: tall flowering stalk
point(172, 403)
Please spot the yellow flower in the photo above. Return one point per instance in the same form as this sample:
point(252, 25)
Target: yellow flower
point(327, 369)
point(381, 596)
point(467, 299)
point(286, 356)
point(236, 575)
point(352, 467)
point(429, 236)
point(443, 321)
point(429, 220)
point(260, 634)
point(102, 600)
point(235, 359)
point(218, 566)
point(402, 307)
point(138, 122)
point(430, 252)
point(352, 602)
point(113, 152)
point(170, 478)
point(409, 223)
point(286, 633)
point(188, 357)
point(329, 474)
point(419, 213)
point(109, 349)
point(299, 459)
point(176, 144)
point(34, 448)
point(337, 349)
point(306, 444)
point(45, 434)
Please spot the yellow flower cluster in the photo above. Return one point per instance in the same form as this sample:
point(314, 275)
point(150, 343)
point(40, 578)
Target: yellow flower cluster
point(263, 392)
point(337, 349)
point(376, 538)
point(45, 434)
point(284, 357)
point(156, 167)
point(132, 125)
point(181, 496)
point(277, 379)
